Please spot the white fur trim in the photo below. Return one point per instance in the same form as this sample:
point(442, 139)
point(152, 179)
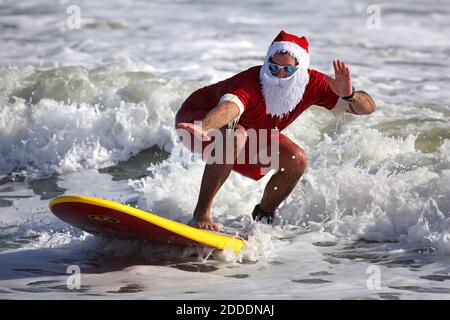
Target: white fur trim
point(235, 99)
point(238, 102)
point(294, 49)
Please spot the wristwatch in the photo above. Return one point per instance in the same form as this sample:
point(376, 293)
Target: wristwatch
point(350, 97)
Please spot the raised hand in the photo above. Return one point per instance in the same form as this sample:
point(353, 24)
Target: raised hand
point(342, 82)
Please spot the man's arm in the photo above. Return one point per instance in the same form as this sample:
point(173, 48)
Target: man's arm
point(361, 104)
point(216, 118)
point(221, 115)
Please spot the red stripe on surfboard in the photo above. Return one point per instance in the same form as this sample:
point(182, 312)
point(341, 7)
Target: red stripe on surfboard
point(127, 227)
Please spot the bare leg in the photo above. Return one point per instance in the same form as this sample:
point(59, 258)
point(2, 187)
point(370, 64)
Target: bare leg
point(292, 164)
point(213, 178)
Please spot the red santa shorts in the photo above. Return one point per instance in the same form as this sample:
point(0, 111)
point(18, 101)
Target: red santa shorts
point(246, 168)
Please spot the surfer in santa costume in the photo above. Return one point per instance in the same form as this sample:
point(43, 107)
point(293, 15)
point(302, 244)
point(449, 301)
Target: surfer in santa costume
point(267, 97)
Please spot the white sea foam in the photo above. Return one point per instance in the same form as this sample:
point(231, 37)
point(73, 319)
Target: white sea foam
point(52, 122)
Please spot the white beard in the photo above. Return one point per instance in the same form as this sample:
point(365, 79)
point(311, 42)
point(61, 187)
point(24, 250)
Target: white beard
point(282, 95)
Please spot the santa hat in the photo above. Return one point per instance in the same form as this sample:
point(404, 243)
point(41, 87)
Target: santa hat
point(295, 46)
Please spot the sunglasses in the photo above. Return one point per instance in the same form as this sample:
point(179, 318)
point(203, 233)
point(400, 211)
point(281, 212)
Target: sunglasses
point(274, 68)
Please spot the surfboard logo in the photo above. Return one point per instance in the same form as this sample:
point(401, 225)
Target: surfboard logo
point(103, 219)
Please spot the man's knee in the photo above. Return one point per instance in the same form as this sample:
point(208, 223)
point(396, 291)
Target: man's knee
point(301, 159)
point(226, 145)
point(240, 136)
point(295, 161)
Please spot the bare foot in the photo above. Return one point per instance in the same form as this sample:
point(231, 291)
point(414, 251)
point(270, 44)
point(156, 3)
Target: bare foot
point(204, 222)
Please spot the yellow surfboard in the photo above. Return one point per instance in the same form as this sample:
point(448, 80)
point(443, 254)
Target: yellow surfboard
point(112, 219)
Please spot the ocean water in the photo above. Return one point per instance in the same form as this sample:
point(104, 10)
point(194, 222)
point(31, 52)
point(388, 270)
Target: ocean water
point(88, 108)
